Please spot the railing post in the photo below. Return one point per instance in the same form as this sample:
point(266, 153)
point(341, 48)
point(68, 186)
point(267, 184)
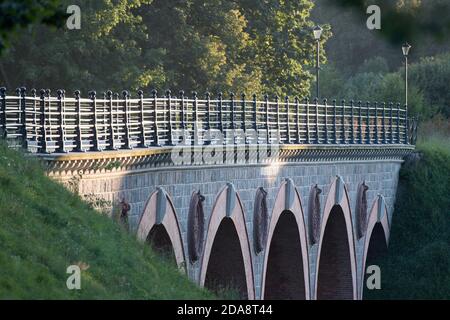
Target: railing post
point(360, 133)
point(343, 133)
point(277, 119)
point(93, 97)
point(376, 123)
point(308, 138)
point(325, 104)
point(297, 119)
point(208, 110)
point(23, 117)
point(169, 110)
point(352, 122)
point(398, 123)
point(316, 102)
point(143, 142)
point(111, 139)
point(232, 124)
point(195, 118)
point(3, 112)
point(391, 122)
point(335, 138)
point(78, 137)
point(182, 114)
point(244, 115)
point(255, 112)
point(155, 122)
point(42, 121)
point(61, 107)
point(220, 97)
point(125, 96)
point(266, 102)
point(383, 124)
point(406, 139)
point(368, 123)
point(35, 121)
point(288, 125)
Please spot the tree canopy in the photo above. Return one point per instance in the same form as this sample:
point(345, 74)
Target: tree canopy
point(216, 45)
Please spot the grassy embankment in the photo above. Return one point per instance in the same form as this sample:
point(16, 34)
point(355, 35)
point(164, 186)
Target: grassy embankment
point(44, 228)
point(417, 265)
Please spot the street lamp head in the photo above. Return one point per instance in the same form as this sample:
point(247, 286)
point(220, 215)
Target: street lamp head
point(317, 31)
point(405, 48)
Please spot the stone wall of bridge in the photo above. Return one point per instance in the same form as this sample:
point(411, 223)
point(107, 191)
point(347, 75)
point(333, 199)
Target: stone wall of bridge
point(179, 183)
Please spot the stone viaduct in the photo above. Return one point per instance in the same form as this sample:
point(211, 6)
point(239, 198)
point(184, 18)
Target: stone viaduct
point(275, 200)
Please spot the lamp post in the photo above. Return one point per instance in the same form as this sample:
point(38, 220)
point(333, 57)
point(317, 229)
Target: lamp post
point(405, 48)
point(317, 32)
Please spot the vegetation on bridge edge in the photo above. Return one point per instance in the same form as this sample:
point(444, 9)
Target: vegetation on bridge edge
point(44, 228)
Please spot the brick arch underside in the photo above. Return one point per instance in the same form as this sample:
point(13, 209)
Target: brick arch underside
point(377, 250)
point(159, 240)
point(226, 272)
point(335, 270)
point(226, 263)
point(164, 237)
point(285, 274)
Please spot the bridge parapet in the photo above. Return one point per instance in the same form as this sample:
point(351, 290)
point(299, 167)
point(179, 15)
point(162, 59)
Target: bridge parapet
point(60, 124)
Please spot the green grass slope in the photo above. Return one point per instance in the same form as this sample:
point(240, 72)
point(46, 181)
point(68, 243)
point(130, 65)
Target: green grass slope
point(417, 265)
point(44, 228)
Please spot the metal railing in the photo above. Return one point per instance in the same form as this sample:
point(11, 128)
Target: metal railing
point(48, 124)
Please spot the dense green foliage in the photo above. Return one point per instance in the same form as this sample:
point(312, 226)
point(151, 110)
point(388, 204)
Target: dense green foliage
point(245, 45)
point(44, 228)
point(19, 14)
point(417, 265)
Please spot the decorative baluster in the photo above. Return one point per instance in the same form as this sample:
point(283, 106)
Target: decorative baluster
point(288, 126)
point(125, 96)
point(398, 123)
point(376, 123)
point(255, 117)
point(383, 123)
point(182, 111)
point(316, 102)
point(297, 119)
point(208, 110)
point(335, 134)
point(195, 118)
point(391, 121)
point(169, 118)
point(93, 97)
point(155, 115)
point(232, 124)
point(352, 122)
point(277, 119)
point(244, 116)
point(111, 139)
point(343, 128)
point(50, 126)
point(360, 133)
point(266, 102)
point(4, 132)
point(143, 142)
point(23, 117)
point(35, 111)
point(78, 137)
point(406, 139)
point(368, 141)
point(325, 104)
point(308, 138)
point(220, 96)
point(62, 122)
point(43, 125)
